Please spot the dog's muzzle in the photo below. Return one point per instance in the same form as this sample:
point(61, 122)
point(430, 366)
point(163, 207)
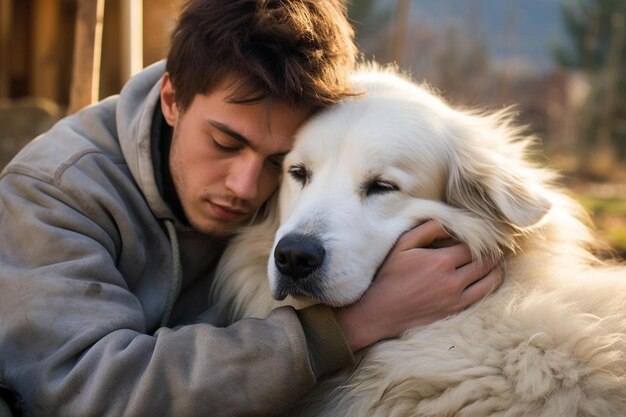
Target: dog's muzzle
point(298, 259)
point(297, 256)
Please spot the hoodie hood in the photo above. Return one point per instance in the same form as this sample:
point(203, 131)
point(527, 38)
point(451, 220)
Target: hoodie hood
point(137, 103)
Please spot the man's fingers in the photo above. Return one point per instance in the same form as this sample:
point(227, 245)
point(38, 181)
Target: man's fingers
point(475, 270)
point(458, 254)
point(421, 236)
point(485, 285)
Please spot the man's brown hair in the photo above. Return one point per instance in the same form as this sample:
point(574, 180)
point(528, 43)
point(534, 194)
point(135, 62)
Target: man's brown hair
point(299, 51)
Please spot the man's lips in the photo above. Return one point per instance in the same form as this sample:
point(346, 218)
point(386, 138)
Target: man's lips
point(227, 212)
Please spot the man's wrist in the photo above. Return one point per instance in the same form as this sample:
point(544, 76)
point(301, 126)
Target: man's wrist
point(357, 335)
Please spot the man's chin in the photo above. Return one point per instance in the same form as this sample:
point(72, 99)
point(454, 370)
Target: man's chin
point(217, 229)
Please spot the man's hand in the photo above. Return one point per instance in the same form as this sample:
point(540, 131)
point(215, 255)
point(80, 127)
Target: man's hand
point(417, 285)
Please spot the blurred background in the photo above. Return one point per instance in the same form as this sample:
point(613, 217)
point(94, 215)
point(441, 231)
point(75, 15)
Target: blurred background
point(561, 63)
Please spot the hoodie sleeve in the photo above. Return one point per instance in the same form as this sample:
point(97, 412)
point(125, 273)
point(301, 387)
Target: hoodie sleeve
point(73, 338)
point(328, 348)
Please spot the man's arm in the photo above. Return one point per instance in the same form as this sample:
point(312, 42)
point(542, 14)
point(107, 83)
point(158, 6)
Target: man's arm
point(74, 337)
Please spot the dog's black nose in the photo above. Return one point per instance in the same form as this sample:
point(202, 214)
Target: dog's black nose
point(297, 255)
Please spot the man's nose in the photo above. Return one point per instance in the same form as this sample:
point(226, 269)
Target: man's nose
point(243, 178)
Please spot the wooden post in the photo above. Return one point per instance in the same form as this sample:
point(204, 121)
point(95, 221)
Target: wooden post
point(132, 38)
point(87, 54)
point(45, 68)
point(158, 22)
point(5, 32)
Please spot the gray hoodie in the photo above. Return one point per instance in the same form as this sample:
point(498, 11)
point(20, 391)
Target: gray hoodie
point(90, 254)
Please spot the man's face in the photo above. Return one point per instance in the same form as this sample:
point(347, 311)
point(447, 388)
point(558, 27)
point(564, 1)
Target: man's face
point(225, 158)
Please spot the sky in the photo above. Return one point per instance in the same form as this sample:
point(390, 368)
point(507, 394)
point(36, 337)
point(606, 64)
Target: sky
point(521, 31)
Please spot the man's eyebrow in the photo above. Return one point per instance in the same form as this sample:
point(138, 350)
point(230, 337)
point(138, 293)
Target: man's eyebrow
point(230, 132)
point(238, 136)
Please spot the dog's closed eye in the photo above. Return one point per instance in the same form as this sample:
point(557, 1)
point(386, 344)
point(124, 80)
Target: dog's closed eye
point(300, 173)
point(378, 186)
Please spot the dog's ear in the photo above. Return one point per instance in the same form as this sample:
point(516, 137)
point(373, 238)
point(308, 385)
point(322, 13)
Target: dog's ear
point(491, 176)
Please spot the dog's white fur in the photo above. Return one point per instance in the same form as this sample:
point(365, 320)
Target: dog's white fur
point(550, 342)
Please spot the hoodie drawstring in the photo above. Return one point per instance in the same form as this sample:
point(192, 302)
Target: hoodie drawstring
point(177, 273)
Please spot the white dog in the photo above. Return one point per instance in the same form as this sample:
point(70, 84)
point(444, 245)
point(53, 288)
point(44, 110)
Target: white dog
point(550, 342)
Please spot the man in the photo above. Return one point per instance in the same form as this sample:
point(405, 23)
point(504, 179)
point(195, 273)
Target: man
point(113, 221)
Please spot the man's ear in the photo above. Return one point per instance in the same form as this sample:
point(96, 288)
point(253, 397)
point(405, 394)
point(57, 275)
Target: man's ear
point(168, 101)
